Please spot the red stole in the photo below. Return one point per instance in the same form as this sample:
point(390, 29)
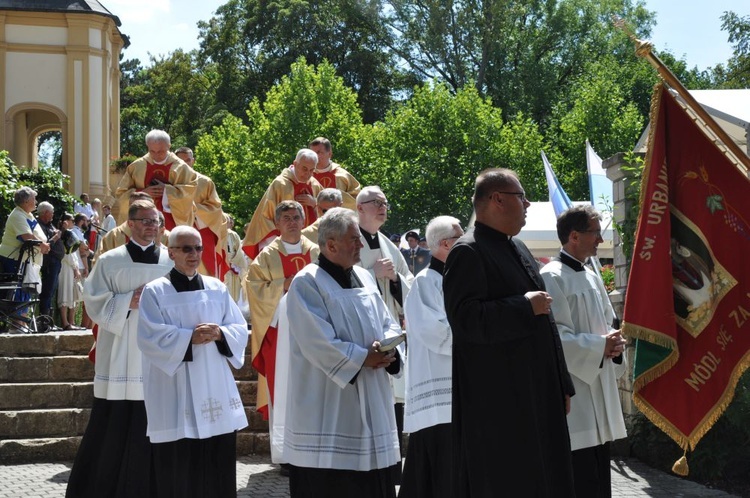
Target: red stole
point(327, 179)
point(304, 188)
point(265, 361)
point(159, 172)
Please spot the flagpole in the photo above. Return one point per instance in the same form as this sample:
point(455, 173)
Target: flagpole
point(643, 50)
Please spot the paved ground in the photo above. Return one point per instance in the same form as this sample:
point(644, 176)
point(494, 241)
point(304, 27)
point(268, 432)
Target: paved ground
point(257, 478)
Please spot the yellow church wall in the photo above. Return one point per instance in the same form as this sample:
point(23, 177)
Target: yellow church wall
point(31, 78)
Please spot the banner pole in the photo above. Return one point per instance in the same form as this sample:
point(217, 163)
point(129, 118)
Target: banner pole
point(643, 50)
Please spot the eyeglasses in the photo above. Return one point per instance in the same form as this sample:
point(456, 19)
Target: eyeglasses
point(188, 249)
point(148, 222)
point(378, 203)
point(598, 233)
point(520, 195)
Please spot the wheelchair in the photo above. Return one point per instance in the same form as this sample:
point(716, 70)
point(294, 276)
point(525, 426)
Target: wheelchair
point(17, 314)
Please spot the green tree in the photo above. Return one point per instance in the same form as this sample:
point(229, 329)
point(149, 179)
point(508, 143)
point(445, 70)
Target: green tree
point(525, 55)
point(308, 102)
point(253, 43)
point(736, 73)
point(172, 95)
point(426, 154)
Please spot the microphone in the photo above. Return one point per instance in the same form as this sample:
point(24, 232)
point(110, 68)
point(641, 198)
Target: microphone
point(99, 228)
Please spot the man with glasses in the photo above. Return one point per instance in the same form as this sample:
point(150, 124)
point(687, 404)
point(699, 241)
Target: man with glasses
point(295, 183)
point(268, 279)
point(511, 388)
point(120, 235)
point(427, 471)
point(593, 349)
point(114, 458)
point(190, 332)
point(328, 198)
point(387, 265)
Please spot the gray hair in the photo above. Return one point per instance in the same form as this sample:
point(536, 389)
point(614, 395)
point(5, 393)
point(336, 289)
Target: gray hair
point(335, 223)
point(182, 230)
point(330, 195)
point(307, 154)
point(158, 136)
point(45, 207)
point(369, 193)
point(439, 229)
point(285, 206)
point(184, 150)
point(23, 194)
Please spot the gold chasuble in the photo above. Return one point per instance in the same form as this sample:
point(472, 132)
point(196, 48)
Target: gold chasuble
point(264, 287)
point(180, 184)
point(212, 225)
point(262, 227)
point(338, 178)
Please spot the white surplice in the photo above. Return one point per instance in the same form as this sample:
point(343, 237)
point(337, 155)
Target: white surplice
point(331, 423)
point(196, 399)
point(583, 315)
point(368, 258)
point(429, 365)
point(107, 293)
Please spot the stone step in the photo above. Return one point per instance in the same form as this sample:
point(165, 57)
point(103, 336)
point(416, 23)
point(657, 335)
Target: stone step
point(61, 422)
point(52, 344)
point(27, 396)
point(19, 424)
point(63, 449)
point(46, 369)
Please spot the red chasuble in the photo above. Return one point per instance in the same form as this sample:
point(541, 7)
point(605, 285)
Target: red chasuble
point(310, 214)
point(326, 179)
point(265, 361)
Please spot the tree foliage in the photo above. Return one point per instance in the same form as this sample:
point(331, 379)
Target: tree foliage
point(308, 102)
point(253, 42)
point(426, 154)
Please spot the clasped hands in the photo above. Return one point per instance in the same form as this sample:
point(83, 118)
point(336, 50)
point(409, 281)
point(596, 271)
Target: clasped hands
point(203, 333)
point(376, 359)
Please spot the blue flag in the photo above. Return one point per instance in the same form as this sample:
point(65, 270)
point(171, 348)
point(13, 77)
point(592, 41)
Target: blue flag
point(557, 196)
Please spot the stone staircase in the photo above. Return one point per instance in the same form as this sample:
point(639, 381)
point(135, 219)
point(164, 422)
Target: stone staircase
point(46, 393)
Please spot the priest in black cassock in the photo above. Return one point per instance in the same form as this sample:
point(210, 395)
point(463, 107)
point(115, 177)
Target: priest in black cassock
point(511, 388)
point(114, 458)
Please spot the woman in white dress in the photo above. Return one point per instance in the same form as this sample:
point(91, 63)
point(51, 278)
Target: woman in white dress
point(68, 293)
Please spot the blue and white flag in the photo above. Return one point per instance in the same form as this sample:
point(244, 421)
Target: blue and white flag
point(557, 196)
point(599, 185)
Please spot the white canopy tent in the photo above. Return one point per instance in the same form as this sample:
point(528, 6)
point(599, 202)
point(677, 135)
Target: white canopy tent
point(540, 232)
point(729, 108)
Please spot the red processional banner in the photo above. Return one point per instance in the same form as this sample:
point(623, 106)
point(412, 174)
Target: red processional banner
point(688, 296)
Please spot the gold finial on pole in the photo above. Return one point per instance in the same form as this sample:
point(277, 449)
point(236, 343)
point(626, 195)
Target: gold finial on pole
point(643, 50)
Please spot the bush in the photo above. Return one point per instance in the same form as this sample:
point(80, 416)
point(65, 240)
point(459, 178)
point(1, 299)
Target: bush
point(49, 184)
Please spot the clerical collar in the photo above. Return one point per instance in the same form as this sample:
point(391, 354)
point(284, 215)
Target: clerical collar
point(437, 265)
point(140, 254)
point(293, 248)
point(570, 261)
point(184, 283)
point(326, 169)
point(143, 248)
point(490, 232)
point(373, 241)
point(346, 278)
point(158, 162)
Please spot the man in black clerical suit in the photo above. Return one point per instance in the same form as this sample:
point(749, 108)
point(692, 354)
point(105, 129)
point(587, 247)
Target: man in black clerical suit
point(511, 388)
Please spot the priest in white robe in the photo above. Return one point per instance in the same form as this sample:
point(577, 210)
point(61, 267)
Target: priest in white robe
point(114, 458)
point(387, 265)
point(340, 431)
point(429, 375)
point(190, 332)
point(593, 350)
